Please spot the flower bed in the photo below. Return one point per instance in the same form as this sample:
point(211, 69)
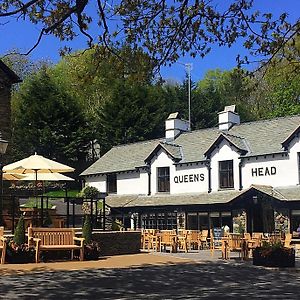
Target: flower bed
point(270, 256)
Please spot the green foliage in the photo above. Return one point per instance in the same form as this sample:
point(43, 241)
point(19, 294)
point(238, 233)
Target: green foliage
point(90, 192)
point(19, 236)
point(166, 29)
point(215, 91)
point(61, 193)
point(87, 229)
point(117, 225)
point(48, 121)
point(134, 113)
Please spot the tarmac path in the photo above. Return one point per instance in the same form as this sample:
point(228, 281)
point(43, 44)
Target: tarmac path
point(149, 276)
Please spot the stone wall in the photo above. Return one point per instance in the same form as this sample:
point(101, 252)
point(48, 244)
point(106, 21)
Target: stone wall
point(118, 242)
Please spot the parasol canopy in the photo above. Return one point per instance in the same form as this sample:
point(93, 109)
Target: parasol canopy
point(46, 177)
point(12, 177)
point(36, 164)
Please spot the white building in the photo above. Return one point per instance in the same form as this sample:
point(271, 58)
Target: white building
point(243, 175)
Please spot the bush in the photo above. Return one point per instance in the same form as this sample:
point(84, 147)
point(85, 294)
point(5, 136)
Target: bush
point(17, 250)
point(19, 236)
point(89, 192)
point(87, 229)
point(274, 255)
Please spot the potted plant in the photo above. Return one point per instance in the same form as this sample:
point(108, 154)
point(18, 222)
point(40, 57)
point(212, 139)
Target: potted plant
point(17, 250)
point(91, 248)
point(274, 255)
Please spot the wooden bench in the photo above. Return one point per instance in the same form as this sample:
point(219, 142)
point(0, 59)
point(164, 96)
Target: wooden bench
point(2, 245)
point(54, 239)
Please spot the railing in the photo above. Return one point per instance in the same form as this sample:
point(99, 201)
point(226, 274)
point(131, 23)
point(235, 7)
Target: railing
point(67, 211)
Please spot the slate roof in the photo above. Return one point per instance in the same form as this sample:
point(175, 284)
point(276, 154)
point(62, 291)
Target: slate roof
point(283, 194)
point(257, 138)
point(163, 200)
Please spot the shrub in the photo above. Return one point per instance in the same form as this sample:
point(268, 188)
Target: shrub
point(19, 236)
point(87, 229)
point(89, 192)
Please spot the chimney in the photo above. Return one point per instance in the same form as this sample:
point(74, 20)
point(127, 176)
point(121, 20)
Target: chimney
point(228, 118)
point(175, 125)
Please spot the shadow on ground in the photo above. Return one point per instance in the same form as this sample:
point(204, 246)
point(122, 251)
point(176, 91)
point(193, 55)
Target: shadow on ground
point(205, 279)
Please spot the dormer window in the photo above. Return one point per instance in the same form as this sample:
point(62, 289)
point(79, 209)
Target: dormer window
point(163, 180)
point(111, 182)
point(226, 174)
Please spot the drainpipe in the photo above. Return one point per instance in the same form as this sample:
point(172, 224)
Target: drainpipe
point(240, 175)
point(207, 164)
point(148, 169)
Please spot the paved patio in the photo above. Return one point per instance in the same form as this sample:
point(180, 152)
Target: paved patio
point(150, 276)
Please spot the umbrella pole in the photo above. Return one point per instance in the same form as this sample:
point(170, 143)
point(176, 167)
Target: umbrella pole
point(35, 188)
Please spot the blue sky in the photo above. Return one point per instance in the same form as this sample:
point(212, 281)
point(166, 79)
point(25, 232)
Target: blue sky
point(22, 35)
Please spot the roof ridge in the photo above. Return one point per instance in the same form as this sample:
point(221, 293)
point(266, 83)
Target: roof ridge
point(138, 142)
point(233, 135)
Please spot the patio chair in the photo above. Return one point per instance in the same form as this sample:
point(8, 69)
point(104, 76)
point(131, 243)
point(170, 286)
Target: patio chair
point(168, 238)
point(204, 242)
point(287, 240)
point(235, 243)
point(193, 239)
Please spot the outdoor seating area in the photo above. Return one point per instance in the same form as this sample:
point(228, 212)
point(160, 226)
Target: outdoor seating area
point(226, 243)
point(54, 239)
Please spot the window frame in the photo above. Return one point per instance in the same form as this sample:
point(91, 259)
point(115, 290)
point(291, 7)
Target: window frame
point(226, 174)
point(163, 180)
point(111, 183)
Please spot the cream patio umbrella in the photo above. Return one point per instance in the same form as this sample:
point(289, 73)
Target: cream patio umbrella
point(12, 177)
point(36, 164)
point(45, 177)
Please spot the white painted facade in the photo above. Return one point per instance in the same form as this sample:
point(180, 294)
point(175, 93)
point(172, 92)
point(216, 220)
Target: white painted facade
point(272, 169)
point(276, 170)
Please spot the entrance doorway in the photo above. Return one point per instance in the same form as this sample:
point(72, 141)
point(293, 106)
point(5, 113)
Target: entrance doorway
point(261, 217)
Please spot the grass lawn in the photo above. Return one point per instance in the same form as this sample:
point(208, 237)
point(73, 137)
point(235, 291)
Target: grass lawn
point(53, 194)
point(32, 202)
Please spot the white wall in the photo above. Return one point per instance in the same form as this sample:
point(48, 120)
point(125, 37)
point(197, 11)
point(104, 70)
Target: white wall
point(98, 181)
point(159, 161)
point(127, 183)
point(190, 178)
point(224, 152)
point(132, 183)
point(269, 170)
point(274, 170)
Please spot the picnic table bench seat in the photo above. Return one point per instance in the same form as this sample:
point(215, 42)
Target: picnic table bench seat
point(54, 239)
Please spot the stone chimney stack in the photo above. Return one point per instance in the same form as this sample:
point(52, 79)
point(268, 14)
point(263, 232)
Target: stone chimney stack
point(228, 118)
point(175, 125)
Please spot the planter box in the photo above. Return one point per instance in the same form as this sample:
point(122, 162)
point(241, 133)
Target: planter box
point(280, 257)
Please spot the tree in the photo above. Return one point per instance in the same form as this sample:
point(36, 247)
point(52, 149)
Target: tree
point(165, 29)
point(49, 121)
point(134, 113)
point(215, 91)
point(277, 89)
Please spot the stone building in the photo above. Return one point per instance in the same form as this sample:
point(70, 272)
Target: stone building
point(7, 79)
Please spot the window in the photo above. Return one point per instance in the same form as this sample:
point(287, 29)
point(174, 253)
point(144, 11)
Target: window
point(111, 181)
point(226, 174)
point(163, 179)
